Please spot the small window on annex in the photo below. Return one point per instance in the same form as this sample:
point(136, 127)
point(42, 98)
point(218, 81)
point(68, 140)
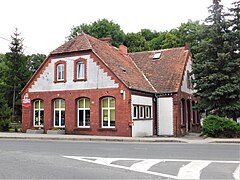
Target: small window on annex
point(108, 112)
point(83, 112)
point(38, 113)
point(148, 111)
point(135, 112)
point(141, 111)
point(59, 113)
point(60, 72)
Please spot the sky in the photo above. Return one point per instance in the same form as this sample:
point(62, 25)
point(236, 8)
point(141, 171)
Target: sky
point(45, 24)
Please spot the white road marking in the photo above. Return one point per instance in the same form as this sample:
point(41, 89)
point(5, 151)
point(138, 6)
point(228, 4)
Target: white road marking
point(121, 167)
point(105, 161)
point(144, 165)
point(236, 173)
point(192, 170)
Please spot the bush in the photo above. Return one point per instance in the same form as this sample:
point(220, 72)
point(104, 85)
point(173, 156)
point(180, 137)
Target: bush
point(215, 126)
point(4, 124)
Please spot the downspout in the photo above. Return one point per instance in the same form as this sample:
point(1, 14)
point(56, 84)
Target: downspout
point(156, 113)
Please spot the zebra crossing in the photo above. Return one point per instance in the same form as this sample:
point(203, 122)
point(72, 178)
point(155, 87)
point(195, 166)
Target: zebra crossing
point(180, 168)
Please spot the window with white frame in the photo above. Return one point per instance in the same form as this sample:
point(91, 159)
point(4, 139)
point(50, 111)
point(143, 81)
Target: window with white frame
point(135, 112)
point(141, 111)
point(59, 113)
point(80, 70)
point(84, 112)
point(108, 112)
point(148, 111)
point(60, 72)
point(38, 113)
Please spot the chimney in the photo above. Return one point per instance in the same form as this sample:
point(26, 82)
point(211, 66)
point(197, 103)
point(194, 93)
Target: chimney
point(123, 49)
point(108, 40)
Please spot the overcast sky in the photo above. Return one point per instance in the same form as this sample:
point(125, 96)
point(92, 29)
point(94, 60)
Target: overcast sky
point(45, 24)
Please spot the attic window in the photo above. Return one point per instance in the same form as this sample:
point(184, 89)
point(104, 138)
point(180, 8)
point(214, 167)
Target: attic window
point(156, 55)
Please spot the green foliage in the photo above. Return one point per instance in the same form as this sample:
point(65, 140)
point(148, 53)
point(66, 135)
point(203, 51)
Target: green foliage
point(100, 29)
point(136, 42)
point(34, 61)
point(215, 126)
point(216, 65)
point(4, 124)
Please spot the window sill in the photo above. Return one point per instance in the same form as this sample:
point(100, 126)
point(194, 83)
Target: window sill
point(79, 80)
point(60, 81)
point(107, 129)
point(82, 129)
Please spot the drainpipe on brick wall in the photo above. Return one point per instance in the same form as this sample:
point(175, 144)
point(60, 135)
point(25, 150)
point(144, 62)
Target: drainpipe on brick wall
point(156, 113)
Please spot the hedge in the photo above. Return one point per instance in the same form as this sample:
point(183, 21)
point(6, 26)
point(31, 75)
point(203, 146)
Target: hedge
point(214, 126)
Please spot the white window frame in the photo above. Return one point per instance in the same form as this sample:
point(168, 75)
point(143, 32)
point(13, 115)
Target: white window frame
point(79, 74)
point(34, 112)
point(108, 110)
point(141, 112)
point(60, 72)
point(84, 112)
point(148, 112)
point(135, 108)
point(60, 113)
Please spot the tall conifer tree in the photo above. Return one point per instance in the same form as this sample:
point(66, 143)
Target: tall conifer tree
point(216, 70)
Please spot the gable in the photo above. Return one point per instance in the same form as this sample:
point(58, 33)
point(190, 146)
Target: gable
point(96, 77)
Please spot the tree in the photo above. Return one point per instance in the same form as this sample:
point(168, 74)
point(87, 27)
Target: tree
point(215, 69)
point(100, 29)
point(34, 61)
point(136, 42)
point(17, 74)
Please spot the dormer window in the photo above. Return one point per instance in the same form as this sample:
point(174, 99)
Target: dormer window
point(60, 72)
point(80, 70)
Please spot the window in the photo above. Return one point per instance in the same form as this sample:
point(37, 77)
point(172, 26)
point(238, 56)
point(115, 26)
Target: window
point(148, 111)
point(183, 112)
point(135, 112)
point(80, 69)
point(156, 55)
point(59, 113)
point(141, 111)
point(38, 113)
point(60, 72)
point(108, 112)
point(84, 112)
point(189, 80)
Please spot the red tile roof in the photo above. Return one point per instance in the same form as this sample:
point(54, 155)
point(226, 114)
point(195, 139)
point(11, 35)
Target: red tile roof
point(165, 73)
point(120, 64)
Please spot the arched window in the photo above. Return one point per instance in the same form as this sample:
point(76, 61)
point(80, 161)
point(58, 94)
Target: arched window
point(59, 113)
point(83, 112)
point(183, 112)
point(38, 113)
point(108, 112)
point(60, 73)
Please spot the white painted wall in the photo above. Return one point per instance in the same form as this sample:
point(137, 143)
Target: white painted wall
point(96, 77)
point(184, 87)
point(165, 116)
point(142, 127)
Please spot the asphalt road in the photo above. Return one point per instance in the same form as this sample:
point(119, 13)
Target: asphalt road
point(40, 159)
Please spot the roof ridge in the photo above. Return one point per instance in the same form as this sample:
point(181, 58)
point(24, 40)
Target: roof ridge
point(85, 36)
point(157, 50)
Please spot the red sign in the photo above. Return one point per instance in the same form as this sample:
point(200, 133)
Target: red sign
point(26, 103)
point(130, 123)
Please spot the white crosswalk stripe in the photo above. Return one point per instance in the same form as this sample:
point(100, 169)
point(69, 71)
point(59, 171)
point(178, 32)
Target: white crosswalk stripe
point(236, 173)
point(145, 164)
point(192, 170)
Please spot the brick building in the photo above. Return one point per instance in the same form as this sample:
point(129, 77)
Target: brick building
point(87, 86)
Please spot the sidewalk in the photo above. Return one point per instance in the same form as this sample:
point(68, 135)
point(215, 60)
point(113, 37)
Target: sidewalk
point(192, 138)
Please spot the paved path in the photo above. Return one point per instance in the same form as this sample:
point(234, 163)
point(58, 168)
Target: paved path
point(191, 138)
